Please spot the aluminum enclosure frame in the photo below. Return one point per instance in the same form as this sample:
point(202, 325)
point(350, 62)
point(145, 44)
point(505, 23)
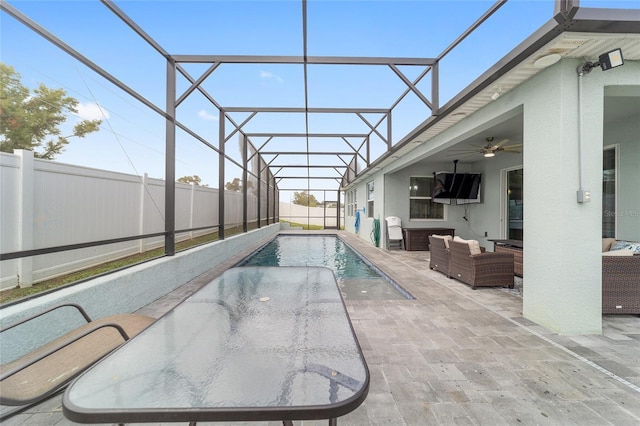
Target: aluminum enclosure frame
point(568, 17)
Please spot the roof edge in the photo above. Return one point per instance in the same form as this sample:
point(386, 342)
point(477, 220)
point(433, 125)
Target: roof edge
point(594, 20)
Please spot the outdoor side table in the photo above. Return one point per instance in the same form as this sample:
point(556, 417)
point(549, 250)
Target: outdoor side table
point(256, 343)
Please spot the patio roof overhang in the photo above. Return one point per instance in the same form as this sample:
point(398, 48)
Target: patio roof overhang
point(572, 33)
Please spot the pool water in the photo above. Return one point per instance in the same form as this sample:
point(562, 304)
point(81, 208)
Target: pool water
point(356, 278)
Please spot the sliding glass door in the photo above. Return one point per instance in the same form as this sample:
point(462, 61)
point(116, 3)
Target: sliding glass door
point(515, 204)
point(609, 192)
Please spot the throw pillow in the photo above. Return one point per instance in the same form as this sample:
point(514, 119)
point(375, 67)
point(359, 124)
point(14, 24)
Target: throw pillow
point(631, 246)
point(474, 245)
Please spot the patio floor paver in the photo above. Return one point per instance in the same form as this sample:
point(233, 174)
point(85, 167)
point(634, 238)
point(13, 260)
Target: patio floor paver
point(460, 356)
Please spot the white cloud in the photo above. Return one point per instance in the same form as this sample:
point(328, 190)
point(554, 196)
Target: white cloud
point(92, 111)
point(206, 116)
point(266, 75)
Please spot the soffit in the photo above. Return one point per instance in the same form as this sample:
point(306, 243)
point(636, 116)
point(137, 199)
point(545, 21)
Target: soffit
point(570, 45)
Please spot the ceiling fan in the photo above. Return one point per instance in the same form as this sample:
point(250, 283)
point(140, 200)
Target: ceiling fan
point(491, 148)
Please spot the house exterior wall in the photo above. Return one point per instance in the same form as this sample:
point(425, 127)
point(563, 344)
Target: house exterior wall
point(562, 237)
point(366, 223)
point(562, 259)
point(481, 218)
point(349, 220)
point(562, 263)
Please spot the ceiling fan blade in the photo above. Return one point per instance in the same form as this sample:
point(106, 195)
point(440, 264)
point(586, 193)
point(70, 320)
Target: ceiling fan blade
point(464, 150)
point(479, 146)
point(502, 142)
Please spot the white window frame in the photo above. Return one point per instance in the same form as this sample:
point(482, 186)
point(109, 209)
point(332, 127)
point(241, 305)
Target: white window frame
point(352, 202)
point(370, 196)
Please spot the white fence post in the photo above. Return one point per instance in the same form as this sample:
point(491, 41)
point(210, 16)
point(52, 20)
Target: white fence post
point(25, 216)
point(192, 208)
point(143, 193)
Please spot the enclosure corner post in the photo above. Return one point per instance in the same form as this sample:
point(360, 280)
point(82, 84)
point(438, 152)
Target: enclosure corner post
point(170, 163)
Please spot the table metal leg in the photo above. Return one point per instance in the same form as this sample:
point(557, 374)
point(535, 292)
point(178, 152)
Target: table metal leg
point(333, 422)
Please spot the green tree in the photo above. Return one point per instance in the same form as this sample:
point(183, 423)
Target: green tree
point(30, 119)
point(195, 179)
point(304, 199)
point(236, 185)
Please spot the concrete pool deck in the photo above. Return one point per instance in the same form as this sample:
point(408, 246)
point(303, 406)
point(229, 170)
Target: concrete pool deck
point(460, 356)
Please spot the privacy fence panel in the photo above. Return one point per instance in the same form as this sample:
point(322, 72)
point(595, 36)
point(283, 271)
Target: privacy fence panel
point(47, 204)
point(72, 205)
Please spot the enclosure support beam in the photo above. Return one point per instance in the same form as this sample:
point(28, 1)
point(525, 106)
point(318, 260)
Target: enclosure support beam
point(221, 157)
point(243, 147)
point(170, 163)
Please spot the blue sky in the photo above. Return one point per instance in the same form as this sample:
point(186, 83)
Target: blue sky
point(132, 136)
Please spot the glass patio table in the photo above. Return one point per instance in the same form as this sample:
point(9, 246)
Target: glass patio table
point(256, 343)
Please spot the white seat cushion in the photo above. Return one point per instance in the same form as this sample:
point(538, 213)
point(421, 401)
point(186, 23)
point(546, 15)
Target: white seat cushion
point(446, 239)
point(606, 243)
point(618, 253)
point(474, 245)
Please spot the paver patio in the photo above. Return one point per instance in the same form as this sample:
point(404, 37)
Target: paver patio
point(460, 356)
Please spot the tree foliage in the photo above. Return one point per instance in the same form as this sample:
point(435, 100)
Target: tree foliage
point(30, 119)
point(236, 185)
point(195, 179)
point(305, 199)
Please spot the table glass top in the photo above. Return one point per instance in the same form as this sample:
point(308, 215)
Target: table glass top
point(256, 337)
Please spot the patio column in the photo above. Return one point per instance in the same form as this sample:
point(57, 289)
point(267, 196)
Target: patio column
point(562, 237)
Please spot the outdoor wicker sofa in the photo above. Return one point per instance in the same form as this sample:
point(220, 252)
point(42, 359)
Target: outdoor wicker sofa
point(620, 277)
point(439, 253)
point(49, 368)
point(480, 269)
point(621, 285)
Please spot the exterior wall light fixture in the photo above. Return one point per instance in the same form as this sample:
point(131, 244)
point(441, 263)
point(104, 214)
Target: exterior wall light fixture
point(606, 61)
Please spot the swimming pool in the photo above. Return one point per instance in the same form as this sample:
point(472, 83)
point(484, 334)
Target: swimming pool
point(357, 278)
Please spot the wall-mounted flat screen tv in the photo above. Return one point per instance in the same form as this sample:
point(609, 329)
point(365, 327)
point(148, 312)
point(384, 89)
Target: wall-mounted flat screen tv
point(463, 188)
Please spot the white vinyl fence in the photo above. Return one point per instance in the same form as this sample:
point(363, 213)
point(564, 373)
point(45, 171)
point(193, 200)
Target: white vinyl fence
point(304, 215)
point(47, 204)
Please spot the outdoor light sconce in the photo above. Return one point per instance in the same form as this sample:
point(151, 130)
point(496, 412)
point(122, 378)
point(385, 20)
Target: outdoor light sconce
point(496, 94)
point(606, 61)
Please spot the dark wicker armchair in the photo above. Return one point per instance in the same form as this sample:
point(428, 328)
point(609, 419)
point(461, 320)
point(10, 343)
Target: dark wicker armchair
point(480, 270)
point(439, 255)
point(621, 284)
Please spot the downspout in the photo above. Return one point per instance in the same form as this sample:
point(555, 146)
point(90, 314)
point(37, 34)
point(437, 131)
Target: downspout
point(583, 195)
